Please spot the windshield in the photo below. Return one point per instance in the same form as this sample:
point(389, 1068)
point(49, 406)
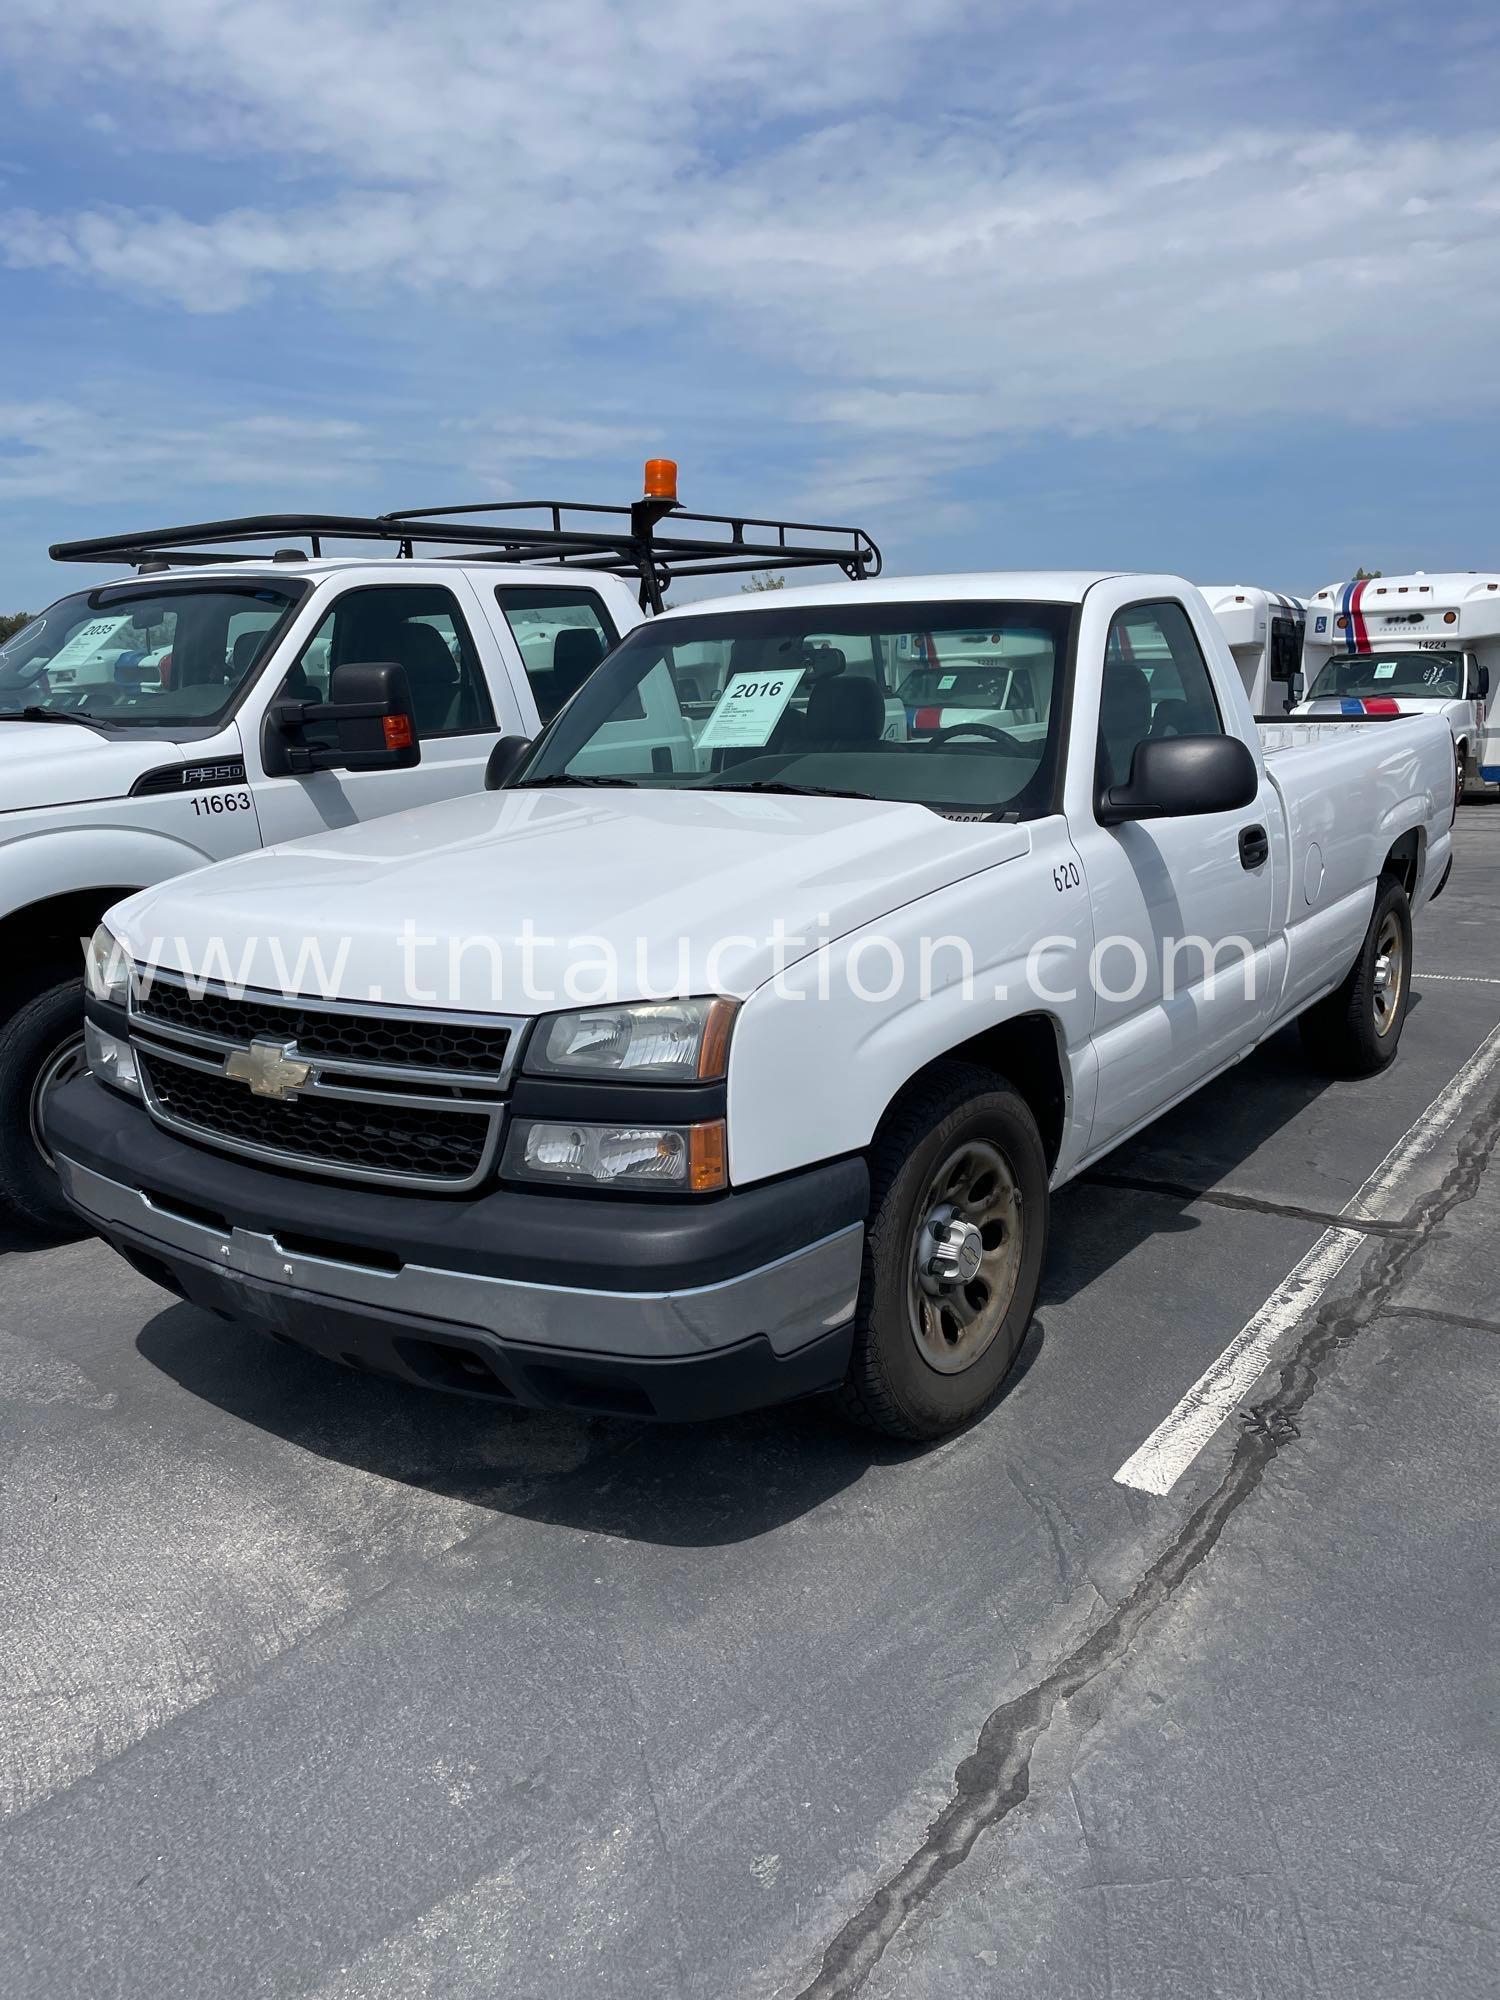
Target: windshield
point(1435, 673)
point(877, 700)
point(176, 655)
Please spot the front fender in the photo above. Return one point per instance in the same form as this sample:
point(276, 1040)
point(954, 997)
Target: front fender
point(37, 866)
point(820, 1051)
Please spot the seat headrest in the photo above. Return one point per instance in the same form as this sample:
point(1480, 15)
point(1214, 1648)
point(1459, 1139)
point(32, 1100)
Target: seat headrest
point(844, 709)
point(576, 651)
point(1124, 718)
point(244, 650)
point(1127, 698)
point(425, 655)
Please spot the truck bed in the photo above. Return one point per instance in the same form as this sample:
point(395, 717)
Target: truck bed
point(1347, 785)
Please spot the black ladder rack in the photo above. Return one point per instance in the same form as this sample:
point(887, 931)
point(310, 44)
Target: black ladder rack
point(623, 540)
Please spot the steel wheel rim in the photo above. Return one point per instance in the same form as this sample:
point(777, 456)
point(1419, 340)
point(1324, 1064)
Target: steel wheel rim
point(65, 1062)
point(1390, 972)
point(969, 1221)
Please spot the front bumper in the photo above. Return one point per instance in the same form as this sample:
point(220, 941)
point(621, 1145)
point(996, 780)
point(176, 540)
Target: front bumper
point(677, 1310)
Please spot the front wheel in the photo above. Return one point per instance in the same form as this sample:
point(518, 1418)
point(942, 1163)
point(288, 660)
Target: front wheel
point(953, 1253)
point(41, 1048)
point(1461, 778)
point(1357, 1029)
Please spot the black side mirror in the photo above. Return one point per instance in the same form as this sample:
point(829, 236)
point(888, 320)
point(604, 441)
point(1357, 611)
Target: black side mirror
point(1173, 776)
point(504, 761)
point(368, 713)
point(1484, 683)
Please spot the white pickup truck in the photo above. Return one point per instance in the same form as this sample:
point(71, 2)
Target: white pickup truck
point(193, 711)
point(672, 1084)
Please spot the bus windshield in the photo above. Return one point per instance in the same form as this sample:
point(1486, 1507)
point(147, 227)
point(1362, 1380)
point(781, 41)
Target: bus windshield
point(1439, 674)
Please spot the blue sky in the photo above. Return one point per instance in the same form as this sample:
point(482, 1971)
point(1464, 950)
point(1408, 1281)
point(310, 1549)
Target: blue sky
point(1005, 284)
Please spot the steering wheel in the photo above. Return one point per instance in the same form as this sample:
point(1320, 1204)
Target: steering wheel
point(1001, 736)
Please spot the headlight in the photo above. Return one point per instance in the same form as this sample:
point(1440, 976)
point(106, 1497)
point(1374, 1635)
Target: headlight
point(676, 1159)
point(656, 1041)
point(108, 966)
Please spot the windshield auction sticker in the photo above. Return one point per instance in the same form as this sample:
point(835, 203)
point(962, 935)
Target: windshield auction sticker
point(89, 639)
point(749, 709)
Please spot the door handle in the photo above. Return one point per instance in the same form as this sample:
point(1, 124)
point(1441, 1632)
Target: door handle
point(1255, 848)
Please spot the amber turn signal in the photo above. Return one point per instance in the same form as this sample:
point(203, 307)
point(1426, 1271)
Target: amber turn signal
point(707, 1166)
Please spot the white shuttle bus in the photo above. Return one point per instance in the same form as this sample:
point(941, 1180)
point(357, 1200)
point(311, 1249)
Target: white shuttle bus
point(1263, 630)
point(1411, 645)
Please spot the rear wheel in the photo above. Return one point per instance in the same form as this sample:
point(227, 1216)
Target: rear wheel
point(41, 1048)
point(1357, 1029)
point(953, 1253)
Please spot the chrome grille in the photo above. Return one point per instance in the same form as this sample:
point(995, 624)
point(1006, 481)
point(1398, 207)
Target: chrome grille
point(376, 1095)
point(384, 1038)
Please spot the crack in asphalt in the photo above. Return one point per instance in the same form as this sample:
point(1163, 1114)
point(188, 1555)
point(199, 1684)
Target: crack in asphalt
point(1249, 1204)
point(1436, 1318)
point(996, 1777)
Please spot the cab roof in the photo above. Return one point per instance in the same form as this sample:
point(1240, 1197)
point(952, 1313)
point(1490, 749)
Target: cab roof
point(1046, 586)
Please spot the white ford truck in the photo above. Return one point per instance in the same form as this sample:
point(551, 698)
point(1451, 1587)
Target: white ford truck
point(1413, 645)
point(680, 1076)
point(206, 707)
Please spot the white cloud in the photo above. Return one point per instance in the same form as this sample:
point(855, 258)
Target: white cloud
point(1266, 273)
point(922, 262)
point(75, 451)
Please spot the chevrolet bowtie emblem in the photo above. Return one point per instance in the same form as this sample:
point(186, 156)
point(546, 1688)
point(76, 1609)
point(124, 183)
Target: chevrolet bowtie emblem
point(271, 1069)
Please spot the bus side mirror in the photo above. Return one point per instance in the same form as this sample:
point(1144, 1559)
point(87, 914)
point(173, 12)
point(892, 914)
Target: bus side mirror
point(368, 715)
point(1484, 683)
point(1299, 686)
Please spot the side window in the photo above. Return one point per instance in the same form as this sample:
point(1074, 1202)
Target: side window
point(563, 635)
point(1286, 648)
point(1156, 683)
point(421, 628)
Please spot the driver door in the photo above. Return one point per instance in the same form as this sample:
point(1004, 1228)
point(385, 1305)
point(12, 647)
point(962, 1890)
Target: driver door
point(421, 626)
point(1181, 907)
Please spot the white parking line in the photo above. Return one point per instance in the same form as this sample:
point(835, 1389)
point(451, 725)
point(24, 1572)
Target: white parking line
point(1457, 978)
point(1175, 1443)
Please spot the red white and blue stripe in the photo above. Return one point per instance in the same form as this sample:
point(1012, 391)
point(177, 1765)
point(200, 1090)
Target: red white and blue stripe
point(1356, 638)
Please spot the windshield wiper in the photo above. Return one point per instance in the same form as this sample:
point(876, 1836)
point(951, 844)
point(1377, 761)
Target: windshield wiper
point(34, 714)
point(567, 778)
point(800, 791)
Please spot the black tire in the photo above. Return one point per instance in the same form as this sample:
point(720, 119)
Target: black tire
point(43, 1027)
point(1461, 775)
point(1356, 1030)
point(956, 1110)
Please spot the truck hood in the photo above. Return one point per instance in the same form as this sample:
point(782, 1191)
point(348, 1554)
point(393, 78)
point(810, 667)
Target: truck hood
point(62, 764)
point(522, 901)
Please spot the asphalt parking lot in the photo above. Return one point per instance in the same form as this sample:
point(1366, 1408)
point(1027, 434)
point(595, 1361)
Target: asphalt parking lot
point(315, 1686)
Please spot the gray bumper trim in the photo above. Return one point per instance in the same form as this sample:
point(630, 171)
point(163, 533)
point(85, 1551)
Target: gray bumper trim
point(790, 1301)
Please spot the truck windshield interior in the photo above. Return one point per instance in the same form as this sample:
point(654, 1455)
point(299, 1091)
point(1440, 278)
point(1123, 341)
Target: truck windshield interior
point(155, 659)
point(955, 707)
point(1438, 674)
